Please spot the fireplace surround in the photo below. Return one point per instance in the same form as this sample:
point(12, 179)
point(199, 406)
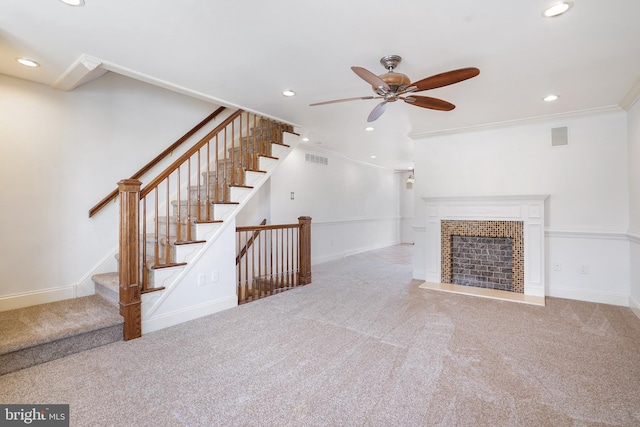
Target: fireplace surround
point(487, 230)
point(519, 217)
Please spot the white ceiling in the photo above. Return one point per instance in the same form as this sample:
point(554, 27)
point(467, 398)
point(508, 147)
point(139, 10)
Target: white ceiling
point(245, 53)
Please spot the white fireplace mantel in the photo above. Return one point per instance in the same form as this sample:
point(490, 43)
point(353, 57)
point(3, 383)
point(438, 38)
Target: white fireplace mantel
point(526, 208)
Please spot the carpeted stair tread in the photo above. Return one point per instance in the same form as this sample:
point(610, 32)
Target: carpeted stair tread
point(36, 325)
point(108, 287)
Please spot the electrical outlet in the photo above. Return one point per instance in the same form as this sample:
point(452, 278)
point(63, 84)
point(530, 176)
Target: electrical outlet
point(215, 276)
point(584, 269)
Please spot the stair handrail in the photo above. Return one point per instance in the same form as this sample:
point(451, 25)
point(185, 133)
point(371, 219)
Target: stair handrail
point(111, 196)
point(247, 245)
point(183, 158)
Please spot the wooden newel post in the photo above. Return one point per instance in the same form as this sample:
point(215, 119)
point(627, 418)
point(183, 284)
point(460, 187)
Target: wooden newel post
point(129, 274)
point(305, 249)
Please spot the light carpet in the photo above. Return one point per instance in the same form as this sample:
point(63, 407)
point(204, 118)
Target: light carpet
point(360, 346)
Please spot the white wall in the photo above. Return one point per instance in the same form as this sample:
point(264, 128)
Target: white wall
point(587, 183)
point(634, 202)
point(354, 207)
point(407, 208)
point(60, 153)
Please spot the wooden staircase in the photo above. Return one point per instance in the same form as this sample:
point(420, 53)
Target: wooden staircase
point(183, 211)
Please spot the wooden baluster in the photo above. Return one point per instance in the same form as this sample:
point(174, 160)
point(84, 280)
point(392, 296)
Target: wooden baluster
point(156, 234)
point(167, 249)
point(207, 197)
point(271, 275)
point(305, 249)
point(130, 307)
point(215, 190)
point(145, 279)
point(239, 267)
point(239, 158)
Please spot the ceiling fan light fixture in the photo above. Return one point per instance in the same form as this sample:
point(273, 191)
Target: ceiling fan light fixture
point(305, 139)
point(557, 9)
point(288, 93)
point(27, 62)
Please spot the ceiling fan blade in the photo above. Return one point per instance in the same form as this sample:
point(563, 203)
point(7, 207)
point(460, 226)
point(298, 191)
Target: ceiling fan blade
point(444, 79)
point(371, 78)
point(428, 102)
point(377, 112)
point(342, 100)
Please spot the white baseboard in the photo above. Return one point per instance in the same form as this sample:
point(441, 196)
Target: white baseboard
point(590, 296)
point(11, 302)
point(634, 305)
point(191, 313)
point(108, 263)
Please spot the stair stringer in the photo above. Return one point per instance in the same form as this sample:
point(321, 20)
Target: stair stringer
point(183, 299)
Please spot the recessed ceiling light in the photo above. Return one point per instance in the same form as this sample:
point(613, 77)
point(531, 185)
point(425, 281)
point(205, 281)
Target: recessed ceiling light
point(557, 9)
point(288, 93)
point(550, 98)
point(373, 157)
point(305, 139)
point(368, 128)
point(73, 2)
point(27, 62)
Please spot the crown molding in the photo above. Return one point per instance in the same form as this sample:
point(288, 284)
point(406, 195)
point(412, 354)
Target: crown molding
point(517, 122)
point(632, 96)
point(83, 70)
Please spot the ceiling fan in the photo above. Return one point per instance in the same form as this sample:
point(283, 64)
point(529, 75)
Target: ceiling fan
point(392, 86)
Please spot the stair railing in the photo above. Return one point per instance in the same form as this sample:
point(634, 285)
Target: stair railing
point(273, 258)
point(112, 196)
point(249, 242)
point(186, 193)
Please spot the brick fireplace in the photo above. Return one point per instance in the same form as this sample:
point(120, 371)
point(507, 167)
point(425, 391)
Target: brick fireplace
point(488, 228)
point(486, 254)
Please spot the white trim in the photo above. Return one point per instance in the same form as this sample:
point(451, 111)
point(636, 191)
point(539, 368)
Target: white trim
point(488, 199)
point(110, 66)
point(516, 122)
point(631, 97)
point(352, 220)
point(634, 238)
point(587, 295)
point(27, 299)
point(86, 286)
point(583, 234)
point(634, 305)
point(83, 70)
point(191, 313)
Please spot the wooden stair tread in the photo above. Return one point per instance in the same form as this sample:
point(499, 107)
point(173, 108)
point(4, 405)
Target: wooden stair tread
point(209, 221)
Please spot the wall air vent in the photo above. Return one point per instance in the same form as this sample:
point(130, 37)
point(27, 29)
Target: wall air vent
point(559, 137)
point(319, 160)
